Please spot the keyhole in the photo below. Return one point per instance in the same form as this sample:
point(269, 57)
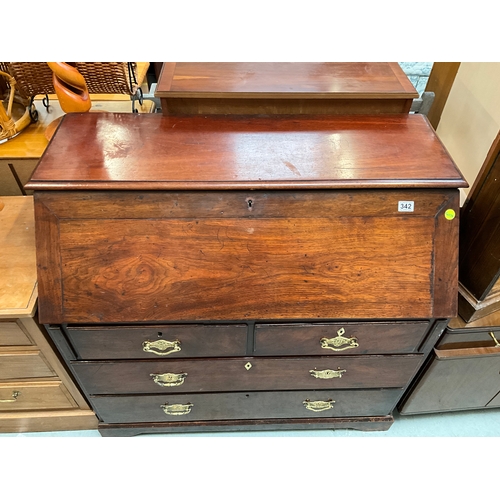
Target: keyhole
point(160, 334)
point(250, 203)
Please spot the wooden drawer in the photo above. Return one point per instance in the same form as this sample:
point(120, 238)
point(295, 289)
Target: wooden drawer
point(11, 334)
point(338, 338)
point(245, 374)
point(244, 405)
point(34, 395)
point(174, 341)
point(23, 364)
point(457, 379)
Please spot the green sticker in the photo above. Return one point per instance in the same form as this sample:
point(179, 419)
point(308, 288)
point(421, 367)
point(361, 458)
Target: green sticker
point(450, 214)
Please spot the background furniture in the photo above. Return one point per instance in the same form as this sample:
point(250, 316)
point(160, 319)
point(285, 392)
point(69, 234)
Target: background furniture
point(480, 242)
point(36, 392)
point(243, 274)
point(20, 156)
point(463, 372)
point(284, 88)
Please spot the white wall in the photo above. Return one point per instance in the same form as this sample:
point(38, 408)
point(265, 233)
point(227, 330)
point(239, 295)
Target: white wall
point(471, 117)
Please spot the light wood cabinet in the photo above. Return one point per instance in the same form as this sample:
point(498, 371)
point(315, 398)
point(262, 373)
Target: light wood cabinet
point(36, 391)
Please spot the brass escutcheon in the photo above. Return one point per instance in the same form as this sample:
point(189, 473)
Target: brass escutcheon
point(161, 347)
point(326, 374)
point(318, 405)
point(339, 343)
point(176, 409)
point(15, 395)
point(168, 379)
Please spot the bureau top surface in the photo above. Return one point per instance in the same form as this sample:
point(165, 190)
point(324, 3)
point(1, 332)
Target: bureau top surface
point(285, 79)
point(154, 152)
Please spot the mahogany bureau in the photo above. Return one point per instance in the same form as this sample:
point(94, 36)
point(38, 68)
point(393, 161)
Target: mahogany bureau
point(233, 273)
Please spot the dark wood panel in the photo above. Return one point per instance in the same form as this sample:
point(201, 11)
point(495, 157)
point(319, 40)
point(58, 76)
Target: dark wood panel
point(445, 260)
point(245, 405)
point(480, 230)
point(233, 269)
point(440, 82)
point(125, 151)
point(369, 338)
point(48, 259)
point(245, 374)
point(127, 342)
point(334, 79)
point(243, 204)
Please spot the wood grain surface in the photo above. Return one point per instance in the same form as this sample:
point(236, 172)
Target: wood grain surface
point(312, 79)
point(342, 260)
point(125, 151)
point(226, 375)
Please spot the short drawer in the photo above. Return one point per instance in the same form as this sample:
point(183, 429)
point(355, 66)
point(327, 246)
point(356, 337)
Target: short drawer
point(11, 334)
point(23, 364)
point(245, 405)
point(245, 374)
point(172, 341)
point(349, 338)
point(34, 395)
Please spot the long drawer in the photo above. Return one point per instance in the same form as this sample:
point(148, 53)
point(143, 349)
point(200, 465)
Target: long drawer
point(174, 341)
point(245, 374)
point(34, 395)
point(338, 338)
point(245, 405)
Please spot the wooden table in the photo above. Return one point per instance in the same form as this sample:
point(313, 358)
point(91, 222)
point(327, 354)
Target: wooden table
point(20, 156)
point(36, 392)
point(284, 88)
point(226, 273)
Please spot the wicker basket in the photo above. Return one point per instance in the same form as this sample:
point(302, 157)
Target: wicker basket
point(35, 78)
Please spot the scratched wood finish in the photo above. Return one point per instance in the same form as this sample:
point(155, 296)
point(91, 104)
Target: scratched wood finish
point(234, 268)
point(265, 374)
point(245, 405)
point(305, 339)
point(286, 88)
point(480, 231)
point(123, 151)
point(285, 78)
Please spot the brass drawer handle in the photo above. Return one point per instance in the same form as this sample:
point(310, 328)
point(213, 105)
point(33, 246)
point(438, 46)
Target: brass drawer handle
point(492, 335)
point(15, 395)
point(161, 347)
point(318, 405)
point(168, 379)
point(327, 374)
point(177, 409)
point(339, 343)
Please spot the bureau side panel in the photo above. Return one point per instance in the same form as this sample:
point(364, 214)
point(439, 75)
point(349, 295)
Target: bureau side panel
point(50, 293)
